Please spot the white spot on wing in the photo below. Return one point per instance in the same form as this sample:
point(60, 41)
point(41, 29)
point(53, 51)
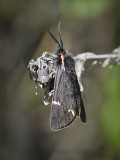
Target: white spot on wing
point(56, 103)
point(73, 113)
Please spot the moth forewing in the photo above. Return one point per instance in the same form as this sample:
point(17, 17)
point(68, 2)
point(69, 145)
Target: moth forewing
point(64, 105)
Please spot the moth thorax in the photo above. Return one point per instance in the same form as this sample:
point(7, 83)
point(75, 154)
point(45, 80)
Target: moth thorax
point(62, 60)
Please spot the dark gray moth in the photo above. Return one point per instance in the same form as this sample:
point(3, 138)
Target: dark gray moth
point(56, 75)
point(67, 102)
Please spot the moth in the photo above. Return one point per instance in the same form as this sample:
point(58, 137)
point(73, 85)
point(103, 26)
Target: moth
point(59, 78)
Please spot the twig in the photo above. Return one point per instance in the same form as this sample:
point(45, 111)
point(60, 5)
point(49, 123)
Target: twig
point(103, 59)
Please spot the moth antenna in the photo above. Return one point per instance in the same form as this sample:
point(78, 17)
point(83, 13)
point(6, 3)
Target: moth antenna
point(53, 37)
point(60, 37)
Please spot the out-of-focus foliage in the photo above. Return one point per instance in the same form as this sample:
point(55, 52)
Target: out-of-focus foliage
point(85, 8)
point(110, 115)
point(9, 9)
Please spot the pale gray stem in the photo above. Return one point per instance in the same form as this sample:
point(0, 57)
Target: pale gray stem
point(103, 59)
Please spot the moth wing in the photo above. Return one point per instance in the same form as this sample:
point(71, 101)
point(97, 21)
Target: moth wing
point(63, 109)
point(70, 69)
point(79, 101)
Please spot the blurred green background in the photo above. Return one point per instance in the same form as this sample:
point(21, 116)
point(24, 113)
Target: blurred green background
point(87, 25)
